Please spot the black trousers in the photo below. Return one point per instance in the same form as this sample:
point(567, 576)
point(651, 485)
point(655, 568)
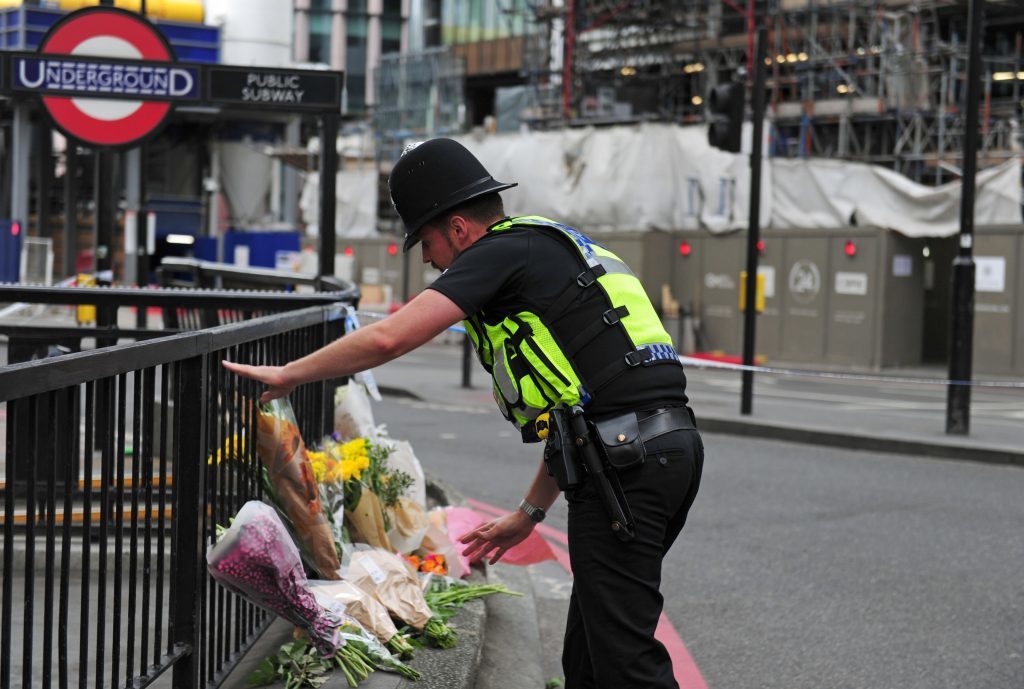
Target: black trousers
point(616, 602)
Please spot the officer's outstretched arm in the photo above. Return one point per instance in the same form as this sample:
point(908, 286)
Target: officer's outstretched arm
point(419, 321)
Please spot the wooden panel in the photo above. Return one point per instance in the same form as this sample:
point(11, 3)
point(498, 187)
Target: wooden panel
point(491, 57)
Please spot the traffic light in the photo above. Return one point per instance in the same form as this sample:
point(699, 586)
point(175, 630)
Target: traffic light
point(725, 116)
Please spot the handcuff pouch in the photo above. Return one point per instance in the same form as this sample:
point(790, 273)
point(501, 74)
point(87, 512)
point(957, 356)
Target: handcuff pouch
point(619, 440)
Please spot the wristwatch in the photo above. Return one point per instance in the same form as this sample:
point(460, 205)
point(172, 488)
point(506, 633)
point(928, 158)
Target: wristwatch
point(536, 514)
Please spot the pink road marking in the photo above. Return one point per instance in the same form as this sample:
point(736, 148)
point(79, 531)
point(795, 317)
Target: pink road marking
point(686, 671)
point(542, 529)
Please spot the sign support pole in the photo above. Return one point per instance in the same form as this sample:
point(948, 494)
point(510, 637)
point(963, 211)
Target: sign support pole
point(44, 178)
point(104, 219)
point(754, 225)
point(328, 198)
point(70, 207)
point(21, 150)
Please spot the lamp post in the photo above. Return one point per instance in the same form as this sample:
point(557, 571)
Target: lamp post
point(958, 398)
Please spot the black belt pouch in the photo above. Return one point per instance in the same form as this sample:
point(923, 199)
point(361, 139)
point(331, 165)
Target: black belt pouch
point(619, 440)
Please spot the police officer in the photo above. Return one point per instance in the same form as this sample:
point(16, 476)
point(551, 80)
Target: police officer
point(560, 322)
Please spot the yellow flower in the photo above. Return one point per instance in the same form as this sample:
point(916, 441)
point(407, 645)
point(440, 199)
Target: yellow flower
point(234, 448)
point(320, 462)
point(353, 468)
point(354, 449)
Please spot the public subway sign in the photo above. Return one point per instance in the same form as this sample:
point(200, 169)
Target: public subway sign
point(273, 88)
point(108, 78)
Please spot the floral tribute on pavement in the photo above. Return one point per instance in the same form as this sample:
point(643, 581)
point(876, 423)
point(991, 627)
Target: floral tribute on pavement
point(343, 547)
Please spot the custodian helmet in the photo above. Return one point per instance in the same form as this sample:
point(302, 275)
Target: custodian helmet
point(434, 177)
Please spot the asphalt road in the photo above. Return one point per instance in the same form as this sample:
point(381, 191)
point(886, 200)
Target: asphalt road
point(804, 567)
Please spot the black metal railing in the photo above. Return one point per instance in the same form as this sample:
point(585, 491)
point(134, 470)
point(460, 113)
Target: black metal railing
point(191, 272)
point(181, 309)
point(118, 464)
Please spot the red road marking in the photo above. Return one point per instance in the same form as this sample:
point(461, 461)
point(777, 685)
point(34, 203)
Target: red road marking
point(686, 671)
point(562, 557)
point(543, 530)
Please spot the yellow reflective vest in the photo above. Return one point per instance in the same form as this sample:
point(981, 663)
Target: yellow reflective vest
point(531, 370)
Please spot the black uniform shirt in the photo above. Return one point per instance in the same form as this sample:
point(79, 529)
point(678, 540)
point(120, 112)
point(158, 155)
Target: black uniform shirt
point(526, 269)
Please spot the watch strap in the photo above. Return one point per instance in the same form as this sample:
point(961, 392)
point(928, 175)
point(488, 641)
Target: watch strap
point(537, 514)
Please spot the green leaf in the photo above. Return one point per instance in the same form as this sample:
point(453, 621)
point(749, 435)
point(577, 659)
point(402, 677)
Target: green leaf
point(265, 673)
point(296, 650)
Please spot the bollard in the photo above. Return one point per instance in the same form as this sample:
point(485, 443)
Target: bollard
point(467, 350)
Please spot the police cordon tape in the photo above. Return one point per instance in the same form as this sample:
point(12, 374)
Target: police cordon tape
point(697, 362)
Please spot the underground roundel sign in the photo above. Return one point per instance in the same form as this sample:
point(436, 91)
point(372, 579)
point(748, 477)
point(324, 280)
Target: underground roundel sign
point(114, 71)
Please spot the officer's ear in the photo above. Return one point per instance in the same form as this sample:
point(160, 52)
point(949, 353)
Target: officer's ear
point(458, 226)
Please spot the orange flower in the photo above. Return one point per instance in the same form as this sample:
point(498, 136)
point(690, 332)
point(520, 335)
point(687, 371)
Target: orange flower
point(434, 564)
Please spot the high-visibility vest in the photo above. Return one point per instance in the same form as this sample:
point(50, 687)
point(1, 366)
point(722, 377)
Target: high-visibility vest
point(531, 370)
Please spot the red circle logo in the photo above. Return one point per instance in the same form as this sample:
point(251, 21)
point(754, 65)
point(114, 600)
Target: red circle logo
point(108, 33)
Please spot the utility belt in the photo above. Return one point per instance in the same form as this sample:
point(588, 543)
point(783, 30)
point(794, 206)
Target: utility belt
point(578, 448)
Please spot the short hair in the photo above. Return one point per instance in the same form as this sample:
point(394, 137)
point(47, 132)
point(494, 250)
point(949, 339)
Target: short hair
point(479, 209)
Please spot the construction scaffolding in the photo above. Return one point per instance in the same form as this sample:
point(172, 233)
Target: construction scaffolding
point(878, 81)
point(419, 96)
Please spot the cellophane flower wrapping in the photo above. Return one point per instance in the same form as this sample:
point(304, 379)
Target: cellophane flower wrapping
point(280, 448)
point(257, 558)
point(437, 540)
point(388, 578)
point(366, 609)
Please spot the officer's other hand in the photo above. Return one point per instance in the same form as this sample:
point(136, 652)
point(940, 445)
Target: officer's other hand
point(273, 376)
point(493, 539)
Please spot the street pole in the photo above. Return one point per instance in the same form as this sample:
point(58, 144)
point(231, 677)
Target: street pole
point(106, 208)
point(328, 197)
point(958, 398)
point(754, 226)
point(70, 208)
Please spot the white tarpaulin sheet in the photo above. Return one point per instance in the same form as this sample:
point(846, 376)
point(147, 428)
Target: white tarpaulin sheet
point(643, 177)
point(666, 177)
point(831, 193)
point(356, 211)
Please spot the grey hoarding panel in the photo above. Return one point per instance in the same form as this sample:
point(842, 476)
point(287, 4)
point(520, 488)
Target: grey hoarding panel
point(804, 301)
point(1018, 355)
point(769, 322)
point(655, 269)
point(852, 285)
point(721, 261)
point(996, 268)
point(901, 302)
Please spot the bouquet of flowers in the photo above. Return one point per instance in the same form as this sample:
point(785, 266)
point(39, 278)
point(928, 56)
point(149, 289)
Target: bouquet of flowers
point(369, 488)
point(292, 485)
point(388, 579)
point(365, 609)
point(257, 558)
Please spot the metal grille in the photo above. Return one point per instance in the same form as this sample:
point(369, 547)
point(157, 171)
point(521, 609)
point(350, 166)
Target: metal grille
point(112, 490)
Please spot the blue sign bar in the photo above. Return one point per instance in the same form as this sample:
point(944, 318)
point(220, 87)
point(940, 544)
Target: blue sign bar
point(22, 28)
point(99, 78)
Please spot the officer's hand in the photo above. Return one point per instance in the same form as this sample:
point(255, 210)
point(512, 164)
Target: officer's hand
point(493, 539)
point(273, 376)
